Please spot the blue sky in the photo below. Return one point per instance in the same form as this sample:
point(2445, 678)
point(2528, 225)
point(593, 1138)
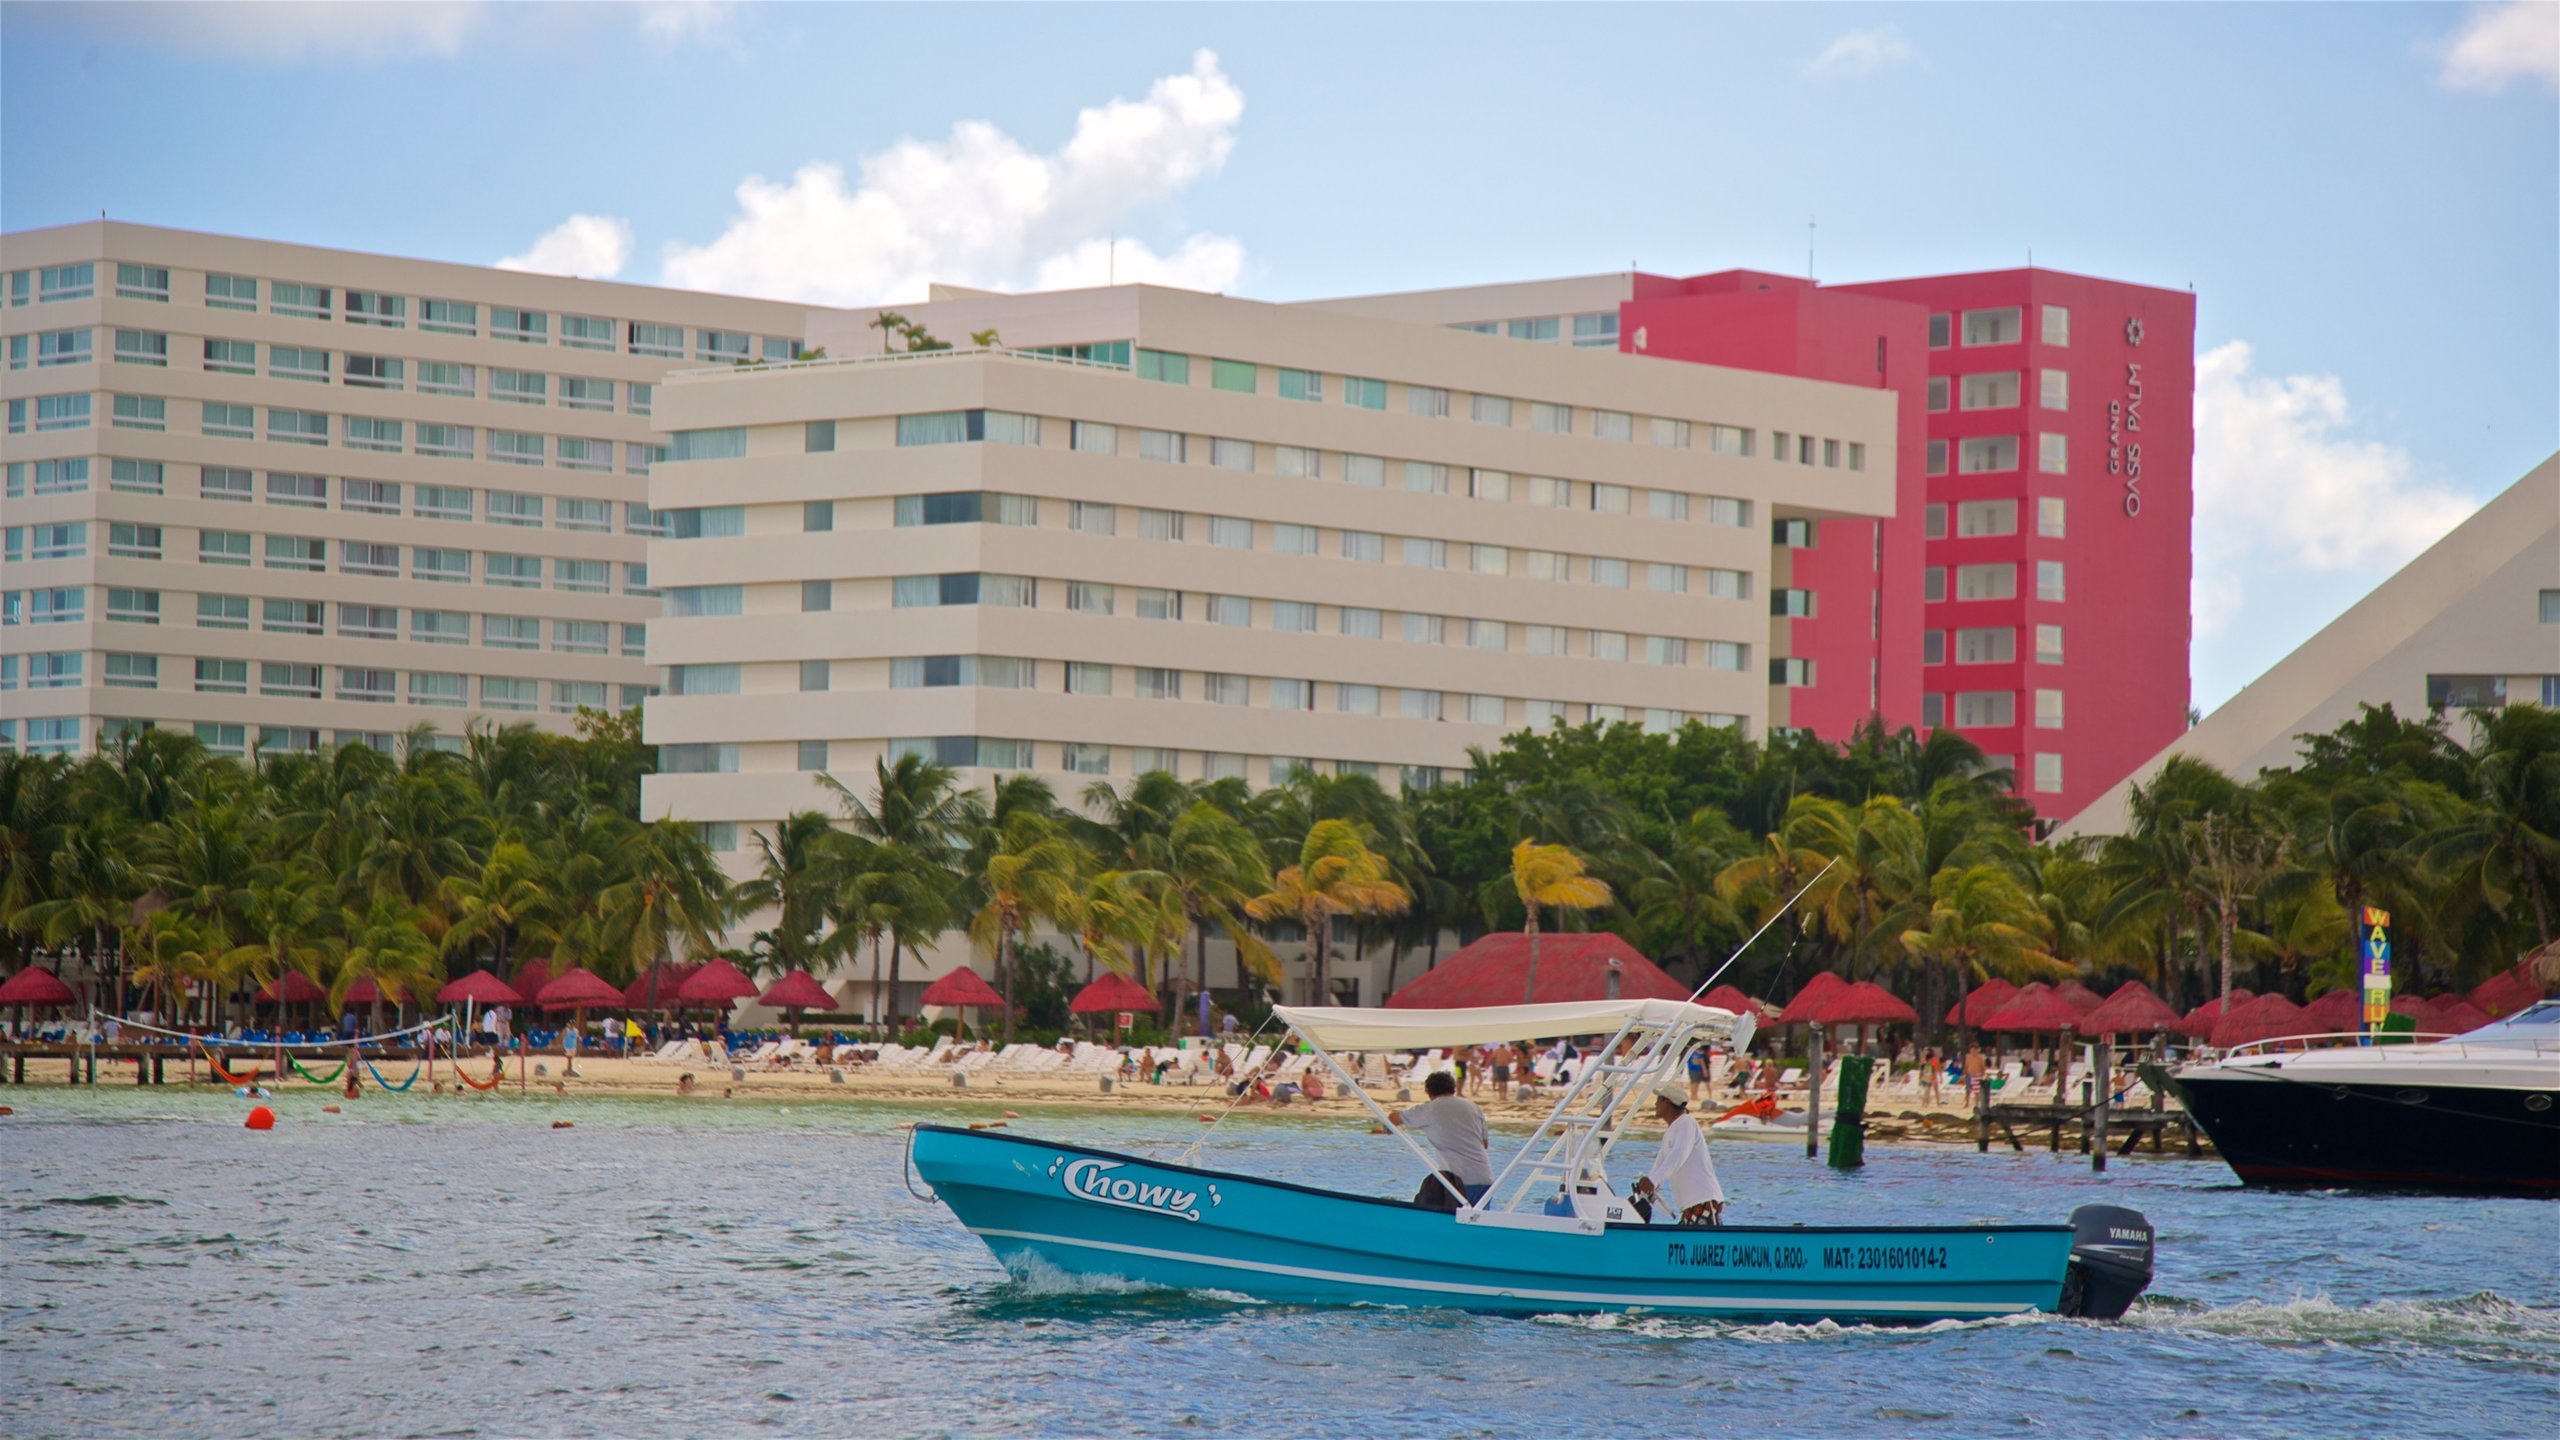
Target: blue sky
point(2363, 196)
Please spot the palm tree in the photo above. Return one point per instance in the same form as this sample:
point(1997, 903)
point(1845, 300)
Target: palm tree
point(1874, 858)
point(670, 889)
point(919, 821)
point(2236, 851)
point(1336, 874)
point(1981, 923)
point(511, 899)
point(1217, 868)
point(1678, 912)
point(36, 811)
point(790, 881)
point(2507, 844)
point(1550, 877)
point(1134, 917)
point(1035, 875)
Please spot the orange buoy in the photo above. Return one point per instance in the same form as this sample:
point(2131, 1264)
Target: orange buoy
point(329, 1110)
point(5, 1110)
point(261, 1118)
point(564, 1124)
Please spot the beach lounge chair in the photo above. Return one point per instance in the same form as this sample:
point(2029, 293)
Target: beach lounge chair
point(1791, 1079)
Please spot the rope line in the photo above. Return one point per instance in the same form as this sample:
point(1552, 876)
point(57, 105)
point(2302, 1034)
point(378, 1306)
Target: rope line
point(331, 1044)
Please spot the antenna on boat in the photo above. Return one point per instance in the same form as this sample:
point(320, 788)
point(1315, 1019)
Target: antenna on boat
point(1704, 985)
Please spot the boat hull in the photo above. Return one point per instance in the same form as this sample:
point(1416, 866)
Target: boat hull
point(2295, 1133)
point(1096, 1214)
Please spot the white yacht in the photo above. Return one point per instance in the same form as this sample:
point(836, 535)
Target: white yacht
point(2477, 1112)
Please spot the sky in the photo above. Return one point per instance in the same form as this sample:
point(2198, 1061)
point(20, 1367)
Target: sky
point(2366, 198)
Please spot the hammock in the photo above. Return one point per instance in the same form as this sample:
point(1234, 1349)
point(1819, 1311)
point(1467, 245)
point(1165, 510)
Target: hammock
point(329, 1079)
point(215, 1061)
point(403, 1085)
point(492, 1083)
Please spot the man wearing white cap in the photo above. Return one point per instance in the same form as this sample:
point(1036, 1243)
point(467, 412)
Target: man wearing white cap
point(1683, 1167)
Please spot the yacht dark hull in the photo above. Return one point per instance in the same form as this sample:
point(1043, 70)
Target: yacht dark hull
point(2297, 1133)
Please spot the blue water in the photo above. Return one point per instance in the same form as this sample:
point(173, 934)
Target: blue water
point(458, 1267)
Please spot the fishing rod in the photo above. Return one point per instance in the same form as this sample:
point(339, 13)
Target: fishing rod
point(1705, 984)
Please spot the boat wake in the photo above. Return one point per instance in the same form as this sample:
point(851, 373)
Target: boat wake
point(2484, 1325)
point(1035, 1283)
point(1779, 1332)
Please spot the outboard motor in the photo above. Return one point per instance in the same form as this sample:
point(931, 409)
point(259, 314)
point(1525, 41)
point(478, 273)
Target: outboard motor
point(2110, 1261)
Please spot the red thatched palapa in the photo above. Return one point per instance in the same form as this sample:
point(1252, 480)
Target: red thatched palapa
point(577, 989)
point(292, 988)
point(2269, 1017)
point(1985, 999)
point(1495, 971)
point(657, 987)
point(36, 985)
point(1111, 993)
point(1800, 1010)
point(963, 988)
point(1726, 997)
point(1864, 1003)
point(2036, 1009)
point(2201, 1020)
point(2457, 1016)
point(2335, 1012)
point(2135, 1009)
point(479, 988)
point(2506, 992)
point(716, 983)
point(798, 990)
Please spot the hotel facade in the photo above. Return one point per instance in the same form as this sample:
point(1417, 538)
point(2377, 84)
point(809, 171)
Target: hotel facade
point(1163, 530)
point(282, 497)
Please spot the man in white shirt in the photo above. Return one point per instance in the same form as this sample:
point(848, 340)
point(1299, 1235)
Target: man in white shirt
point(1683, 1169)
point(1457, 1132)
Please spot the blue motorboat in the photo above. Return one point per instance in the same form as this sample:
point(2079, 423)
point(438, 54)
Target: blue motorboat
point(1552, 1235)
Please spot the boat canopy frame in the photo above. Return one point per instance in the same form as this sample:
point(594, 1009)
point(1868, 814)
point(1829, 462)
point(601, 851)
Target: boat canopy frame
point(1648, 1040)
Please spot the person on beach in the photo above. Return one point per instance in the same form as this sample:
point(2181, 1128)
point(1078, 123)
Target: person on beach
point(569, 1042)
point(1456, 1128)
point(1684, 1168)
point(1697, 1073)
point(1503, 1057)
point(1973, 1074)
point(1929, 1067)
point(354, 1088)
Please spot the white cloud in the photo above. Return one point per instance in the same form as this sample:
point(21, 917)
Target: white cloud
point(588, 247)
point(675, 22)
point(2280, 491)
point(1864, 52)
point(2499, 44)
point(976, 208)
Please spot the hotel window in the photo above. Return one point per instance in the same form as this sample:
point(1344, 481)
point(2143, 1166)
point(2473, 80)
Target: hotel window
point(230, 292)
point(1937, 394)
point(1364, 545)
point(222, 612)
point(440, 690)
point(1937, 457)
point(2048, 774)
point(2548, 602)
point(1987, 517)
point(297, 427)
point(1361, 623)
point(1986, 647)
point(1666, 505)
point(1425, 630)
point(1542, 328)
point(1087, 517)
point(1235, 375)
point(1990, 392)
point(2053, 389)
point(1234, 610)
point(371, 372)
point(1160, 524)
point(1231, 454)
point(141, 412)
point(1083, 597)
point(1366, 394)
point(515, 447)
point(1489, 410)
point(1933, 647)
point(1489, 560)
point(502, 693)
point(666, 342)
point(438, 502)
point(297, 552)
point(2056, 325)
point(586, 332)
point(364, 432)
point(371, 307)
point(1611, 499)
point(305, 302)
point(299, 681)
point(1985, 454)
point(1544, 564)
point(1485, 710)
point(222, 677)
point(2049, 512)
point(1426, 554)
point(1219, 689)
point(1488, 635)
point(1301, 385)
point(1086, 436)
point(367, 557)
point(1933, 583)
point(816, 596)
point(586, 577)
point(2048, 644)
point(2049, 580)
point(1939, 329)
point(58, 477)
point(1596, 331)
point(442, 567)
point(512, 572)
point(1793, 604)
point(1830, 455)
point(1669, 434)
point(595, 516)
point(1986, 582)
point(134, 607)
point(1553, 494)
point(1934, 526)
point(55, 670)
point(67, 282)
point(1425, 478)
point(1427, 401)
point(1293, 695)
point(643, 396)
point(519, 387)
point(2053, 454)
point(1612, 425)
point(1606, 570)
point(1163, 445)
point(1229, 533)
point(1080, 758)
point(2466, 692)
point(435, 378)
point(1664, 650)
point(378, 687)
point(1296, 539)
point(1352, 699)
point(1729, 440)
point(1157, 605)
point(1933, 712)
point(439, 627)
point(1666, 579)
point(1161, 365)
point(1986, 708)
point(1494, 485)
point(449, 317)
point(513, 507)
point(1419, 704)
point(1367, 471)
point(293, 617)
point(1297, 461)
point(53, 412)
point(1294, 617)
point(1151, 683)
point(526, 327)
point(815, 674)
point(231, 357)
point(142, 347)
point(60, 605)
point(570, 696)
point(2048, 709)
point(69, 540)
point(1546, 419)
point(1993, 327)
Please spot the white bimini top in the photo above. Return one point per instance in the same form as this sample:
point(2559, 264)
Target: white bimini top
point(1335, 1027)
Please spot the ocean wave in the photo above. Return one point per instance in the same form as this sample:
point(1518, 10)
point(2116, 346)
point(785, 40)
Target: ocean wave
point(1654, 1326)
point(2482, 1318)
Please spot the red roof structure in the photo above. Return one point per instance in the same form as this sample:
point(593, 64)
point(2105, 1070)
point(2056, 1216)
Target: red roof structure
point(2269, 1017)
point(2037, 1008)
point(1800, 1010)
point(964, 988)
point(1495, 971)
point(2506, 992)
point(2135, 1009)
point(2457, 1016)
point(36, 985)
point(1111, 993)
point(798, 990)
point(576, 990)
point(717, 983)
point(657, 987)
point(1726, 997)
point(1986, 997)
point(2335, 1012)
point(365, 992)
point(531, 976)
point(293, 988)
point(479, 988)
point(1864, 1003)
point(2201, 1020)
point(2078, 996)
